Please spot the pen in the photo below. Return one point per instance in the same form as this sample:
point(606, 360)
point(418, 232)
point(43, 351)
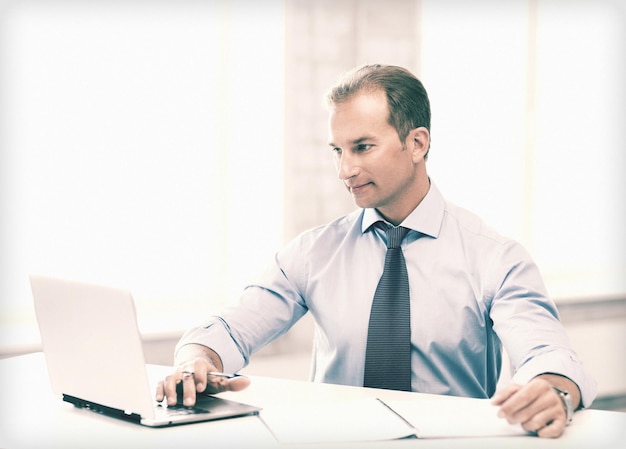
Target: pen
point(225, 375)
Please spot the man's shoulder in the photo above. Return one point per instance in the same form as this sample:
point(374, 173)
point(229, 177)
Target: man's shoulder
point(472, 224)
point(339, 226)
point(480, 241)
point(336, 229)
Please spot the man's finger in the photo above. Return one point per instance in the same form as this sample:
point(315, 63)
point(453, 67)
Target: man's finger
point(504, 393)
point(201, 367)
point(189, 388)
point(238, 383)
point(552, 429)
point(160, 394)
point(169, 388)
point(218, 384)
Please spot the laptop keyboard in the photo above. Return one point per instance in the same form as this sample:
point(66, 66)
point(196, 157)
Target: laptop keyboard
point(177, 410)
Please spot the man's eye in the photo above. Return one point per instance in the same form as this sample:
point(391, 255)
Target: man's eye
point(363, 147)
point(337, 151)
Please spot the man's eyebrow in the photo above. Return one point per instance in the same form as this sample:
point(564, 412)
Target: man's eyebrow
point(358, 141)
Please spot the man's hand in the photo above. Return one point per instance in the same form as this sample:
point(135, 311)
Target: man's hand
point(192, 374)
point(536, 405)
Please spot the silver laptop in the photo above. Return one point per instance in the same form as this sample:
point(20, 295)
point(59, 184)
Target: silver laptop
point(95, 359)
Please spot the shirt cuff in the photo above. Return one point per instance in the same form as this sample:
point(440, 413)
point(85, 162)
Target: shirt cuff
point(567, 366)
point(215, 336)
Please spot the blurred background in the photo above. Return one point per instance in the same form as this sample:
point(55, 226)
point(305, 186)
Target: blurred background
point(171, 147)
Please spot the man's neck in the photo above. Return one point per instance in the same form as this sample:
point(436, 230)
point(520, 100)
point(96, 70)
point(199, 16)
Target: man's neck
point(413, 201)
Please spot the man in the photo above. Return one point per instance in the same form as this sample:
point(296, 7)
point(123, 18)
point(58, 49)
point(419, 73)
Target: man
point(471, 290)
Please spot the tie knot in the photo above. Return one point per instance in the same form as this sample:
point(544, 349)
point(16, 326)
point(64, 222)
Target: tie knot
point(395, 236)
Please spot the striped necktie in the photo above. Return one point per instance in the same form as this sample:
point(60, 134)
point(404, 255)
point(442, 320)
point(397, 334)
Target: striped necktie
point(388, 353)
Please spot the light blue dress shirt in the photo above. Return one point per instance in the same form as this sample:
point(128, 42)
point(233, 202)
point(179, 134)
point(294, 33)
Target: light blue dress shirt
point(472, 292)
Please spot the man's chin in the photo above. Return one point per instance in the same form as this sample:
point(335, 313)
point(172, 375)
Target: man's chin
point(362, 203)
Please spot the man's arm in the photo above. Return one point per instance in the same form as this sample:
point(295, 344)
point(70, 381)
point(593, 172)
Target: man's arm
point(537, 406)
point(193, 364)
point(527, 323)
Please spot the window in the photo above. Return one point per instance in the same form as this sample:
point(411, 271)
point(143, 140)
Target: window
point(528, 117)
point(141, 148)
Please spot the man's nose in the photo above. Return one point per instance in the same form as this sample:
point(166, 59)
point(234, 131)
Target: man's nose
point(346, 166)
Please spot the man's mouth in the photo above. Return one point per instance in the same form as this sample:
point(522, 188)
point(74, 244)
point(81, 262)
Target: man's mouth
point(355, 190)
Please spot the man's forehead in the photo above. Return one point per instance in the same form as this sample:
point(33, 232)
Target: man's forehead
point(359, 119)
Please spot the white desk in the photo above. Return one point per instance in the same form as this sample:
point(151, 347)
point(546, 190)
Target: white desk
point(32, 417)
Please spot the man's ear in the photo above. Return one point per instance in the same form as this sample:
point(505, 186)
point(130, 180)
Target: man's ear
point(418, 141)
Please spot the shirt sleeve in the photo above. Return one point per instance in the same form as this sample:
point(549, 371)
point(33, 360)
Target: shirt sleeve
point(267, 309)
point(214, 334)
point(527, 322)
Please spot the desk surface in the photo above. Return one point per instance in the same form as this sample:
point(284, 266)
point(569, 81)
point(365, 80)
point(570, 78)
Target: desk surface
point(32, 417)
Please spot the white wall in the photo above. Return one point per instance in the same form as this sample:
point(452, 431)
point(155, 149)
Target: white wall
point(141, 148)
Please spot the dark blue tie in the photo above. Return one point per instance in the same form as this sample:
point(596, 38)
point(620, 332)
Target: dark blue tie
point(388, 353)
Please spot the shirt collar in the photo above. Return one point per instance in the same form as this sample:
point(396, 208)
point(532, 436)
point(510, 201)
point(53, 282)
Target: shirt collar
point(426, 218)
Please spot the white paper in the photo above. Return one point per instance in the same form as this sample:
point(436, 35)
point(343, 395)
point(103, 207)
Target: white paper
point(371, 419)
point(455, 417)
point(366, 419)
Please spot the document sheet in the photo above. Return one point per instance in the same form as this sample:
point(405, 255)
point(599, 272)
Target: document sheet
point(371, 419)
point(367, 419)
point(455, 417)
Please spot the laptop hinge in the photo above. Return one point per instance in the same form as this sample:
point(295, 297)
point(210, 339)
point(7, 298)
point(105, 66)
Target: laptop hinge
point(103, 409)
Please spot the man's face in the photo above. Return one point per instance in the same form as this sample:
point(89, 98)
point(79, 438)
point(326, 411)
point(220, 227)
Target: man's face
point(375, 166)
